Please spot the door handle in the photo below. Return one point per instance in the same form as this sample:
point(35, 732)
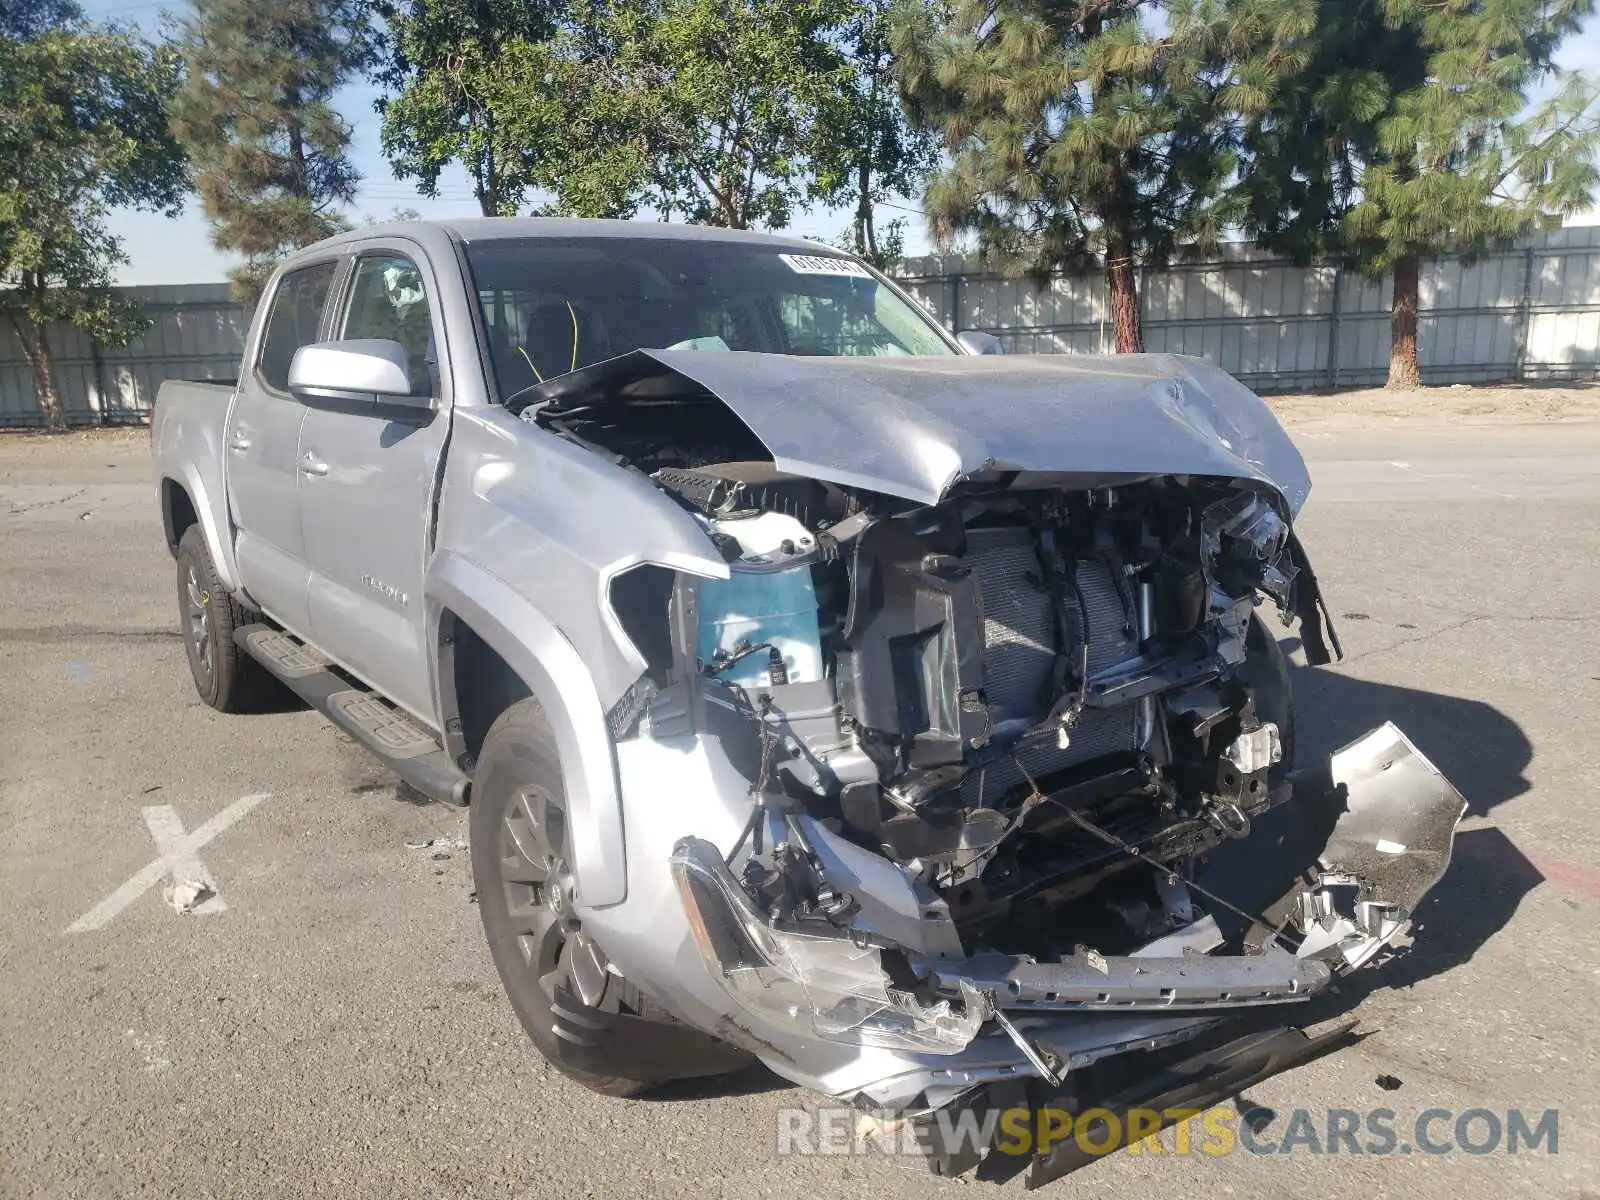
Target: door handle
point(238, 443)
point(310, 464)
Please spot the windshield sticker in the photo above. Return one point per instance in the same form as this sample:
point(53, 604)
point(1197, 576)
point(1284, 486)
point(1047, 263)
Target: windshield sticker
point(818, 264)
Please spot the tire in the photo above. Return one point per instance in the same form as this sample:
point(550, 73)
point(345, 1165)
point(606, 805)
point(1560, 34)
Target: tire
point(544, 960)
point(226, 678)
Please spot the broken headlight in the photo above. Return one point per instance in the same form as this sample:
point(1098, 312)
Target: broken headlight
point(830, 987)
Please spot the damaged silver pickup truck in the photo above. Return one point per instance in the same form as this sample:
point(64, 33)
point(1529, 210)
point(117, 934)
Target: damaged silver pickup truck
point(906, 718)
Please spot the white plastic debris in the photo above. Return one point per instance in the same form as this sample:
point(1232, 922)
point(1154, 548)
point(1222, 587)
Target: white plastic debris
point(439, 843)
point(187, 895)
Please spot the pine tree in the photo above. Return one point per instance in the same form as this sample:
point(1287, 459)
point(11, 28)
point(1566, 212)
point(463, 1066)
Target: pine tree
point(270, 152)
point(1409, 136)
point(1089, 132)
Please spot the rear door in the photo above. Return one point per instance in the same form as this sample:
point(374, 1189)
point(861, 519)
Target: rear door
point(366, 507)
point(262, 439)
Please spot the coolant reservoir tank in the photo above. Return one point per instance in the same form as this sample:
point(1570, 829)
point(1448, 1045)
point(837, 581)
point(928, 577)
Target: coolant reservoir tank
point(768, 600)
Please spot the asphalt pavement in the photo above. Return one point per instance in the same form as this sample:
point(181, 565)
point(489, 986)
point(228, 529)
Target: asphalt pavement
point(332, 1024)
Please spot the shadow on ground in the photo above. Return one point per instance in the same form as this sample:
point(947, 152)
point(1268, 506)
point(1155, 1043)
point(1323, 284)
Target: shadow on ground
point(753, 1080)
point(1479, 749)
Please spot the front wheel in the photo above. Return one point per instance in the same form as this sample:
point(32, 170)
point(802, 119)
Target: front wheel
point(557, 978)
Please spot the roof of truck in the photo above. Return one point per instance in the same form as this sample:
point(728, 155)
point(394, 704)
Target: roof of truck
point(486, 229)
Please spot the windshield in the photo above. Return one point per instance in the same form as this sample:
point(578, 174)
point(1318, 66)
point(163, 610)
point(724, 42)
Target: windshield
point(552, 305)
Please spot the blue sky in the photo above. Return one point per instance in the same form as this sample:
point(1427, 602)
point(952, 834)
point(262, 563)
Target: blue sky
point(163, 250)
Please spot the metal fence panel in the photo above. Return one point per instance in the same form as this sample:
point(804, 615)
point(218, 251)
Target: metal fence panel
point(1528, 312)
point(197, 332)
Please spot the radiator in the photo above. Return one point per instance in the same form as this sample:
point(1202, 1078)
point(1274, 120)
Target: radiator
point(1019, 653)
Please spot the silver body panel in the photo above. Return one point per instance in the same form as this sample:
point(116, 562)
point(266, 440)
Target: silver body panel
point(186, 439)
point(914, 427)
point(482, 518)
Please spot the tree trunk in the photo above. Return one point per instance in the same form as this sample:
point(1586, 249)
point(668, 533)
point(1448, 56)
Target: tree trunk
point(1404, 373)
point(488, 199)
point(300, 184)
point(724, 195)
point(866, 235)
point(1124, 290)
point(36, 349)
point(488, 182)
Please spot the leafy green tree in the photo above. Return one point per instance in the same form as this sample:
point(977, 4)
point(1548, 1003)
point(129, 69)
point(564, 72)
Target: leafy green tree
point(725, 112)
point(706, 110)
point(1089, 132)
point(1409, 135)
point(83, 128)
point(712, 106)
point(866, 151)
point(525, 95)
point(270, 152)
point(447, 78)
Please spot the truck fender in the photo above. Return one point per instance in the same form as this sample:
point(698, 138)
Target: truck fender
point(555, 674)
point(186, 438)
point(211, 512)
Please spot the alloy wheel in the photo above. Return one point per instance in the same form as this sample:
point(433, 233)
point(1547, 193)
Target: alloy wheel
point(198, 604)
point(539, 892)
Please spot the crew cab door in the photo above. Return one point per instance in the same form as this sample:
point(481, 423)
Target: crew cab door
point(368, 482)
point(262, 439)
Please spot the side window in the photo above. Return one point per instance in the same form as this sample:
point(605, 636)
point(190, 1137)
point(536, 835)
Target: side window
point(387, 300)
point(293, 321)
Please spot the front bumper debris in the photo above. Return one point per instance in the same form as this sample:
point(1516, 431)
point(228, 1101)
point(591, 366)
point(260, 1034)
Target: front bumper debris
point(1094, 983)
point(1191, 1085)
point(1390, 845)
point(1373, 832)
point(833, 986)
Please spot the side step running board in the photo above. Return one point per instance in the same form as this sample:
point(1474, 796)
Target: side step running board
point(405, 747)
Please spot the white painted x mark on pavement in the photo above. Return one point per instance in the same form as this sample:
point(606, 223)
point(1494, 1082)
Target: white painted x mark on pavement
point(178, 859)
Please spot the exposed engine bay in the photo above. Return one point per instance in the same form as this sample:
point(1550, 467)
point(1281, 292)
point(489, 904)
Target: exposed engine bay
point(1027, 698)
point(999, 692)
point(992, 732)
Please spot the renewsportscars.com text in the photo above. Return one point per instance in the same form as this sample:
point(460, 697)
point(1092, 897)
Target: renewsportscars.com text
point(1214, 1131)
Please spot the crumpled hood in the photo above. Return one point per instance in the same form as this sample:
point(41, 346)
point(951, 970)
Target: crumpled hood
point(914, 427)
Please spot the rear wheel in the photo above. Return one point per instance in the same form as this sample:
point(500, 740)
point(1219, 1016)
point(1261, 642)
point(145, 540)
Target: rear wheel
point(557, 978)
point(227, 678)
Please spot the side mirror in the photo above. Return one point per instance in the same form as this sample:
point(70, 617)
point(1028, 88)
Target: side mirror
point(360, 369)
point(975, 341)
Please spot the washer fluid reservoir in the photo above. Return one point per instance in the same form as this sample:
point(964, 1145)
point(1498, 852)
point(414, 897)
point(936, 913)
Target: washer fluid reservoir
point(768, 603)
